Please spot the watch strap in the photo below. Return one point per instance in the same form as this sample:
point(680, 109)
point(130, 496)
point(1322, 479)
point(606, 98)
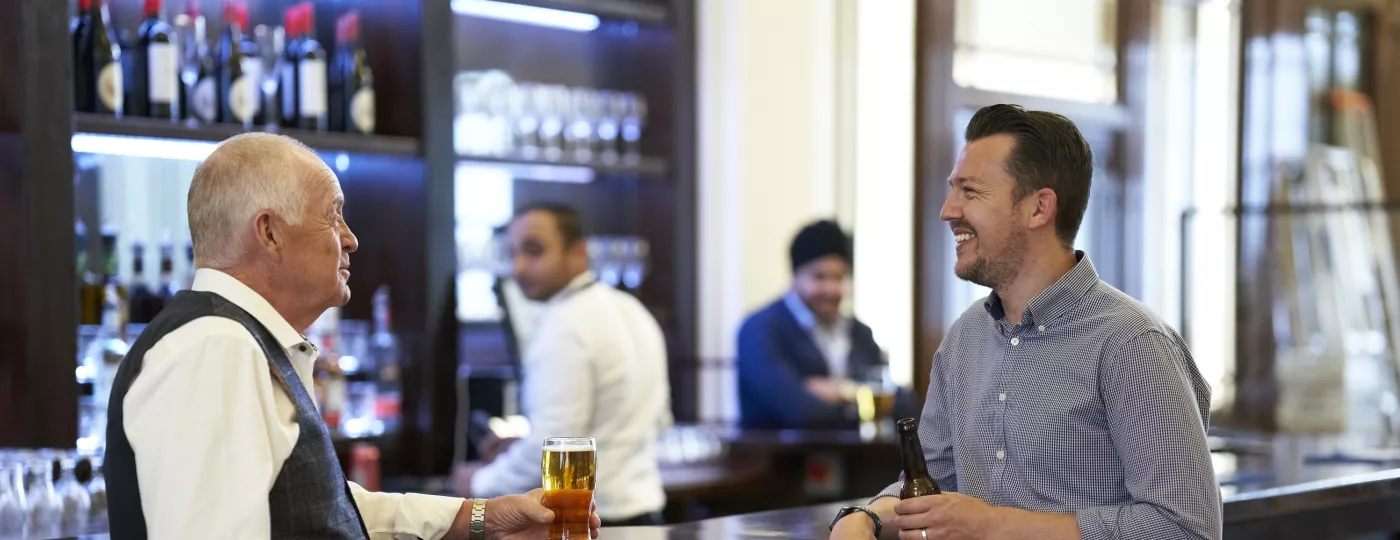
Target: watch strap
point(853, 509)
point(478, 525)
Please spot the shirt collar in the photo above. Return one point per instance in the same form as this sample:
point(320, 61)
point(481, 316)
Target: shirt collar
point(579, 283)
point(214, 281)
point(1055, 300)
point(805, 318)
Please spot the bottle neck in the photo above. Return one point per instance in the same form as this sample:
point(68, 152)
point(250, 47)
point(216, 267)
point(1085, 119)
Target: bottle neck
point(912, 454)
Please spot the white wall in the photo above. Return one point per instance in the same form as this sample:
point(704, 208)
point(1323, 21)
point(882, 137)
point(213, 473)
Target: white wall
point(774, 95)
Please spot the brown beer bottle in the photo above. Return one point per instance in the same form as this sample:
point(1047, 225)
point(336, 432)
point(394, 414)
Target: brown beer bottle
point(917, 482)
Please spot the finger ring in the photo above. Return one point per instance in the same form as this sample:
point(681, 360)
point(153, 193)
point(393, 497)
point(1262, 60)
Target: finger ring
point(923, 533)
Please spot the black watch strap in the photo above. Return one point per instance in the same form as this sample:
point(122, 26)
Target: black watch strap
point(853, 509)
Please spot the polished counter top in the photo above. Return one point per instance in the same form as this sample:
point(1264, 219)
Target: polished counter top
point(1274, 487)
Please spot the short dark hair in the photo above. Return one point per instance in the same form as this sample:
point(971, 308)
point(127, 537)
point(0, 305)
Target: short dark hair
point(566, 219)
point(1050, 152)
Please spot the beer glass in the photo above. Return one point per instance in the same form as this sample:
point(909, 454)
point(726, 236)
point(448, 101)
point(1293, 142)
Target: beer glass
point(568, 473)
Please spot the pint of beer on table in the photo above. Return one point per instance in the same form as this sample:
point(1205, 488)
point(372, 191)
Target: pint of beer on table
point(569, 472)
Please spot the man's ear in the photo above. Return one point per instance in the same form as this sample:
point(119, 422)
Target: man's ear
point(1046, 206)
point(270, 233)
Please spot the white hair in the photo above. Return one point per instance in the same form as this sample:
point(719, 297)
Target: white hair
point(245, 175)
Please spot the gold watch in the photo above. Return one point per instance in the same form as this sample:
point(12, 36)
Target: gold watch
point(478, 526)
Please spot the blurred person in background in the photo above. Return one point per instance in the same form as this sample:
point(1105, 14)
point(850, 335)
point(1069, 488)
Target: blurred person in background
point(594, 367)
point(800, 357)
point(1058, 406)
point(213, 431)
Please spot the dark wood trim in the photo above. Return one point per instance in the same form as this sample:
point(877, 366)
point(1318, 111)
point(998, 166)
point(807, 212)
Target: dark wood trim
point(933, 142)
point(38, 327)
point(430, 415)
point(1134, 73)
point(684, 348)
point(320, 141)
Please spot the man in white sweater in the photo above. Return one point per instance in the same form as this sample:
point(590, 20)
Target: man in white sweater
point(595, 367)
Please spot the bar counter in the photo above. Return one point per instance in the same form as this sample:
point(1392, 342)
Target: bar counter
point(1274, 488)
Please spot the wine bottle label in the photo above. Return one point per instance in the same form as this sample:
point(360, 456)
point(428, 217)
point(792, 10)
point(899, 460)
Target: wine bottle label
point(109, 86)
point(204, 100)
point(312, 75)
point(243, 99)
point(253, 71)
point(362, 111)
point(162, 79)
point(289, 90)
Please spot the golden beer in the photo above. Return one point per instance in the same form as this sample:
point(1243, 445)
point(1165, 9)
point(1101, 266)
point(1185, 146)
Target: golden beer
point(568, 472)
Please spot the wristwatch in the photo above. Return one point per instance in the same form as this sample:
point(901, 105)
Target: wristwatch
point(853, 509)
point(478, 526)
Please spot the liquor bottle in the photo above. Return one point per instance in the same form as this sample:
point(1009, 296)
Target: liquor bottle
point(188, 282)
point(237, 90)
point(157, 81)
point(200, 78)
point(310, 74)
point(254, 69)
point(143, 300)
point(108, 92)
point(81, 32)
point(917, 482)
point(166, 287)
point(268, 40)
point(384, 348)
point(110, 274)
point(354, 112)
point(287, 66)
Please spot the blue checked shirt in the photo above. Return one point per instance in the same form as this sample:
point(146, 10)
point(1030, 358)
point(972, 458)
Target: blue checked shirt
point(1091, 406)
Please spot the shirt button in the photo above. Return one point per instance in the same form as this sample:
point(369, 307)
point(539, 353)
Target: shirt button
point(1041, 328)
point(1002, 397)
point(1001, 454)
point(1015, 341)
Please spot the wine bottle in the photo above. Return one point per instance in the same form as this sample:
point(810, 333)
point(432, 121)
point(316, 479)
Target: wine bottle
point(917, 482)
point(157, 82)
point(356, 109)
point(311, 74)
point(109, 92)
point(166, 286)
point(287, 66)
point(254, 69)
point(143, 300)
point(200, 77)
point(80, 32)
point(237, 89)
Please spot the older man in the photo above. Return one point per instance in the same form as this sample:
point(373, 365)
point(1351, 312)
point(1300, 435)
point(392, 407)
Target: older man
point(1058, 407)
point(212, 430)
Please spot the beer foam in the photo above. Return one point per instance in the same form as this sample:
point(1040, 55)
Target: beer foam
point(569, 448)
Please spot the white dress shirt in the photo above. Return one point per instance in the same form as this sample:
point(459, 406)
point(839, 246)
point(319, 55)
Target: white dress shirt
point(595, 367)
point(833, 340)
point(211, 430)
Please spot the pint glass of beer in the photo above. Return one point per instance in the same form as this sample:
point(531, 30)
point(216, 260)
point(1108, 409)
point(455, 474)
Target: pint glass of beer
point(568, 471)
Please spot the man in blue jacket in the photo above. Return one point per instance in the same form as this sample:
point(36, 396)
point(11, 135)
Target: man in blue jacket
point(800, 357)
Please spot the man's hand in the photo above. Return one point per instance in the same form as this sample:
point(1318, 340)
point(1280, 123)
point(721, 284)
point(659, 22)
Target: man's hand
point(828, 390)
point(946, 516)
point(493, 446)
point(855, 526)
point(462, 474)
point(514, 517)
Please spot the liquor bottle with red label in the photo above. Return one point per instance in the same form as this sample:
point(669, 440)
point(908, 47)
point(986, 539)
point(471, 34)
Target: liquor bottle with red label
point(238, 89)
point(108, 92)
point(353, 81)
point(311, 74)
point(156, 88)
